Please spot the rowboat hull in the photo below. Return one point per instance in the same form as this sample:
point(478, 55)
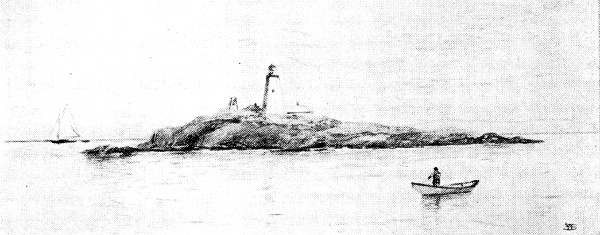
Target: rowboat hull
point(430, 190)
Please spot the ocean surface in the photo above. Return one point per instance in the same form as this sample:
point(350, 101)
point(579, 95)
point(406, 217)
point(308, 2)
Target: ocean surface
point(524, 189)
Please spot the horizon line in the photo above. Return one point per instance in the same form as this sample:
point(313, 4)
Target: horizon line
point(99, 139)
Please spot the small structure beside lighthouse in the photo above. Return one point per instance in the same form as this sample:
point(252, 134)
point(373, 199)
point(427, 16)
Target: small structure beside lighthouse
point(271, 74)
point(299, 109)
point(233, 104)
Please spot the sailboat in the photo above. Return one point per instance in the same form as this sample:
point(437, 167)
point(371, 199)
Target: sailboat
point(69, 136)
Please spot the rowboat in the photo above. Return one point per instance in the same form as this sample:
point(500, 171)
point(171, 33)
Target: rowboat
point(429, 190)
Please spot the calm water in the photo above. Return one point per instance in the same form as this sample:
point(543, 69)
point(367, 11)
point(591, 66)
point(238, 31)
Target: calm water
point(535, 189)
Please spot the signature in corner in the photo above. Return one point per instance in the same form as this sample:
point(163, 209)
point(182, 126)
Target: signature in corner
point(570, 226)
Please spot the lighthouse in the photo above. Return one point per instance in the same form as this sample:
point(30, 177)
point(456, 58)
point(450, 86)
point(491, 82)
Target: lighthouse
point(273, 89)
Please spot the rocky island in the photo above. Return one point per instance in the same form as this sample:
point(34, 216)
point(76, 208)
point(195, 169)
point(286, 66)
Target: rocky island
point(255, 128)
point(247, 129)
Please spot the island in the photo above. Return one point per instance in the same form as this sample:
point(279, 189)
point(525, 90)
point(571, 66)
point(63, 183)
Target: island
point(253, 127)
point(249, 129)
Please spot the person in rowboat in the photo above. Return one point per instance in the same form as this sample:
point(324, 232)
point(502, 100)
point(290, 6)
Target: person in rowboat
point(436, 175)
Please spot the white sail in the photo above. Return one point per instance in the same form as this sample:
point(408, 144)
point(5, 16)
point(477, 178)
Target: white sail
point(65, 125)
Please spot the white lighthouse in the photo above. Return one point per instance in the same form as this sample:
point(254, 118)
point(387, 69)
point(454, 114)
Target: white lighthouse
point(273, 98)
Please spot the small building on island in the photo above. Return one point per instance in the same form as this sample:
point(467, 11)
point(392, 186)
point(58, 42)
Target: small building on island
point(299, 109)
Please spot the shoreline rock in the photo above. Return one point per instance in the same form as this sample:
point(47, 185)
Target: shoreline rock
point(109, 151)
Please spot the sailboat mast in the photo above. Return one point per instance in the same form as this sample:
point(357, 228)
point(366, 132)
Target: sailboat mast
point(58, 126)
point(60, 115)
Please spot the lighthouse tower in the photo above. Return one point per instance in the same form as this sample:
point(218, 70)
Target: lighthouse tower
point(273, 94)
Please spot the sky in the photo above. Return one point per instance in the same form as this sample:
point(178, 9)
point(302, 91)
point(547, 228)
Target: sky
point(126, 68)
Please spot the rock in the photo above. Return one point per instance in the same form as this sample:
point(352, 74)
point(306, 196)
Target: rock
point(108, 151)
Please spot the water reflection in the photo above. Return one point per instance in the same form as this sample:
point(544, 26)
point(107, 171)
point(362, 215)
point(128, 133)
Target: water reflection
point(112, 167)
point(100, 159)
point(436, 202)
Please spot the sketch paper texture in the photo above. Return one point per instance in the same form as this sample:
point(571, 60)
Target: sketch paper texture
point(311, 117)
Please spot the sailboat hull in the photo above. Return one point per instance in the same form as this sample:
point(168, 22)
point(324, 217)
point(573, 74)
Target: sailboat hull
point(61, 141)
